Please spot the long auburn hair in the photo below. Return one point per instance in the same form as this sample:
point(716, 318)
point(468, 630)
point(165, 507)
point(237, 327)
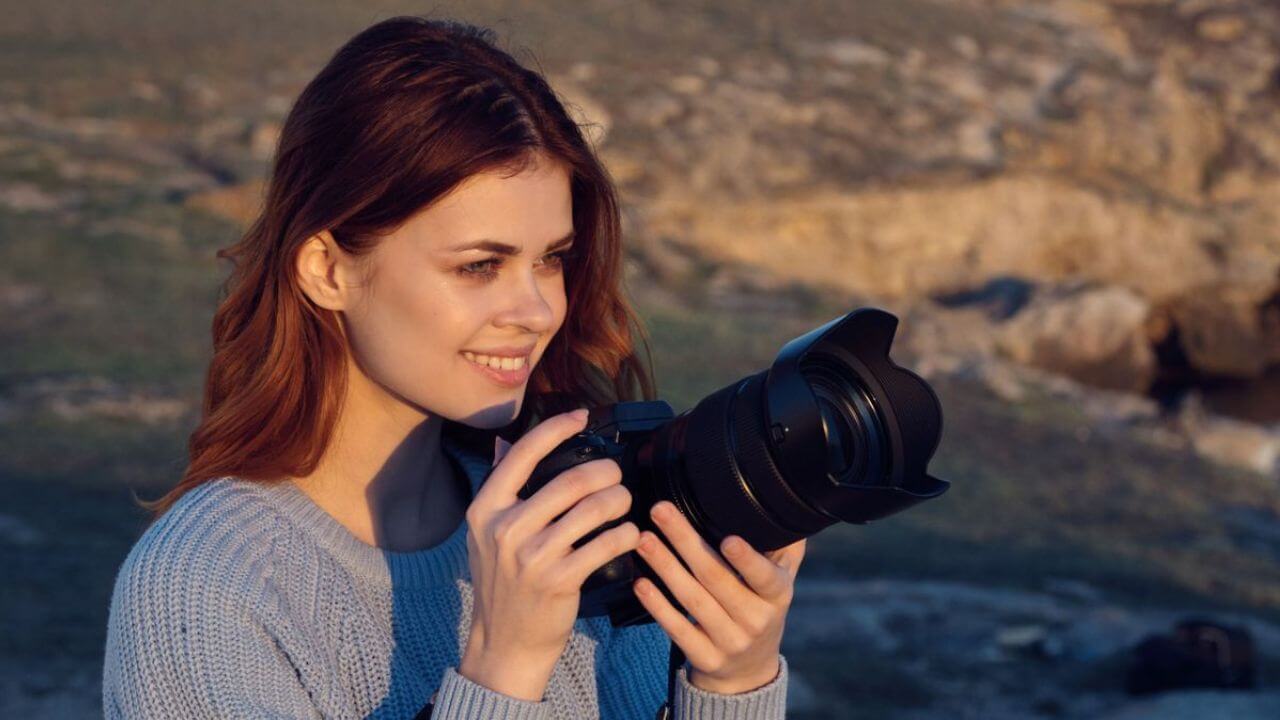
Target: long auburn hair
point(401, 114)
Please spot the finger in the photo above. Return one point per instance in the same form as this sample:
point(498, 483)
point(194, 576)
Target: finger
point(768, 579)
point(697, 647)
point(604, 547)
point(690, 593)
point(588, 514)
point(707, 565)
point(506, 478)
point(777, 555)
point(790, 556)
point(567, 489)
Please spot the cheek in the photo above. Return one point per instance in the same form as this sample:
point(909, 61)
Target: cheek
point(404, 334)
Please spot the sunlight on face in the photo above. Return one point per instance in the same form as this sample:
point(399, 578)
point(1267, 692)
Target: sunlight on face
point(427, 302)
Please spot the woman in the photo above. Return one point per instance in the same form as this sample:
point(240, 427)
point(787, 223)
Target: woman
point(437, 259)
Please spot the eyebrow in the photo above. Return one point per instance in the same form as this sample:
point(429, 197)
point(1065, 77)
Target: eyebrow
point(504, 249)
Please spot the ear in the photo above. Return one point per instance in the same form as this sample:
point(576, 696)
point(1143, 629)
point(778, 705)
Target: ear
point(325, 272)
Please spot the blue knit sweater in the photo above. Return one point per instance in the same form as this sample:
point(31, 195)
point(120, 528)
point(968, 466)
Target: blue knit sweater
point(248, 600)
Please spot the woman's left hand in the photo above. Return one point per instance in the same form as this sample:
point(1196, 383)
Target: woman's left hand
point(734, 640)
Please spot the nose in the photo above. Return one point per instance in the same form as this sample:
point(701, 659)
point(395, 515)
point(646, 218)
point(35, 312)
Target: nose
point(530, 303)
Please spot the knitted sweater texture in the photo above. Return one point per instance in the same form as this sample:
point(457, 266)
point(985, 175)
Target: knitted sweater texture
point(247, 600)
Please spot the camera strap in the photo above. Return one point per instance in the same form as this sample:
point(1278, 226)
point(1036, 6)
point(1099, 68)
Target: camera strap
point(674, 661)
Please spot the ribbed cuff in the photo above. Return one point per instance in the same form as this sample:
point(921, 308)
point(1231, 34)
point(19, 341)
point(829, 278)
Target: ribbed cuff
point(461, 699)
point(764, 703)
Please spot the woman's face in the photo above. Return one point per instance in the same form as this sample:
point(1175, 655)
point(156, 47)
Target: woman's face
point(437, 299)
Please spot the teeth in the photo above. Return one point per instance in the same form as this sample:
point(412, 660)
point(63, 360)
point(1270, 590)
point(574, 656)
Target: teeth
point(497, 363)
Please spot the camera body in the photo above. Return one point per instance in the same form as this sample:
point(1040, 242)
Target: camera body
point(833, 431)
point(617, 432)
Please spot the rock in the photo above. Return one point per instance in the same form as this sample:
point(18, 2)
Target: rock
point(16, 531)
point(707, 66)
point(1236, 443)
point(16, 297)
point(1221, 329)
point(262, 138)
point(145, 90)
point(687, 84)
point(87, 397)
point(197, 94)
point(1221, 28)
point(238, 203)
point(26, 197)
point(1202, 705)
point(1095, 334)
point(852, 51)
point(1074, 589)
point(654, 110)
point(966, 46)
point(1028, 641)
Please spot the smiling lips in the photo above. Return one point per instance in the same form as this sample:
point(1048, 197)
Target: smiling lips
point(508, 372)
point(497, 362)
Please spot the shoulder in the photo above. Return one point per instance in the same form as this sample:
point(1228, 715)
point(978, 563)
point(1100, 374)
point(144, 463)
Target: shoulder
point(216, 542)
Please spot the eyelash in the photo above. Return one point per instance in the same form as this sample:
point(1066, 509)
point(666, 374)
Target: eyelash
point(491, 273)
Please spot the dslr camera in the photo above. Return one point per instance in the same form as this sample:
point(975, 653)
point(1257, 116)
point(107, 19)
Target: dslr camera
point(833, 431)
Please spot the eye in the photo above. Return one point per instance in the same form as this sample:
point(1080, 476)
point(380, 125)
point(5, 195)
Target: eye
point(488, 269)
point(559, 258)
point(481, 268)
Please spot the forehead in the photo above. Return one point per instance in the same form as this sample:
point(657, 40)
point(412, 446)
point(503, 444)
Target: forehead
point(534, 206)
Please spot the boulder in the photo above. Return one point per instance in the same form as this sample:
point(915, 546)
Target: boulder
point(1095, 334)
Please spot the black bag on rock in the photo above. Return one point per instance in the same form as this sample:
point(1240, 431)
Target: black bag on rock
point(1199, 654)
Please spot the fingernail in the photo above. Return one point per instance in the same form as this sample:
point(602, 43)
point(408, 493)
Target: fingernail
point(642, 588)
point(646, 542)
point(581, 414)
point(661, 511)
point(734, 545)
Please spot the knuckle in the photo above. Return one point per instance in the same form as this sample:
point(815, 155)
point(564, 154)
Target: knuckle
point(624, 497)
point(526, 555)
point(556, 580)
point(593, 506)
point(614, 470)
point(697, 604)
point(623, 538)
point(738, 644)
point(503, 530)
point(574, 483)
point(755, 625)
point(786, 592)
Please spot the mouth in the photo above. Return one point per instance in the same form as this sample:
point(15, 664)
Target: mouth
point(505, 371)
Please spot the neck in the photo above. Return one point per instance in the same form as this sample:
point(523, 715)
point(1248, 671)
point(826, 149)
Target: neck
point(384, 475)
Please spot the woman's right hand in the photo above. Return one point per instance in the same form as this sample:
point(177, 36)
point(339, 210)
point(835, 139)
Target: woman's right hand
point(526, 575)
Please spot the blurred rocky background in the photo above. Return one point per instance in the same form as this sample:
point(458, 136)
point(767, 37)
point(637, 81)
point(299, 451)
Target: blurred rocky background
point(1071, 205)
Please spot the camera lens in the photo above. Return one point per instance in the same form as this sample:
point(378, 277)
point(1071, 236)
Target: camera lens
point(851, 428)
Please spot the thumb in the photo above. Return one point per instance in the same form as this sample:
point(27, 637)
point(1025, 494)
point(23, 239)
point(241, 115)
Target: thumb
point(500, 448)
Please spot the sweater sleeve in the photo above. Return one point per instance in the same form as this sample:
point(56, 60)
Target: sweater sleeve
point(632, 671)
point(461, 699)
point(763, 703)
point(185, 640)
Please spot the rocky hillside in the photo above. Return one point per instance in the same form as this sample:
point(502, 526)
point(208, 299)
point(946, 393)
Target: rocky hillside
point(1132, 145)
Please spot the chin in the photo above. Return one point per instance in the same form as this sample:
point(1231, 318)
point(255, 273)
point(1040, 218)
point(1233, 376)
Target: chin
point(493, 417)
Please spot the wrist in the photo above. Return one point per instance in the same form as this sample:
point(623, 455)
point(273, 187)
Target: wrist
point(739, 682)
point(508, 673)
